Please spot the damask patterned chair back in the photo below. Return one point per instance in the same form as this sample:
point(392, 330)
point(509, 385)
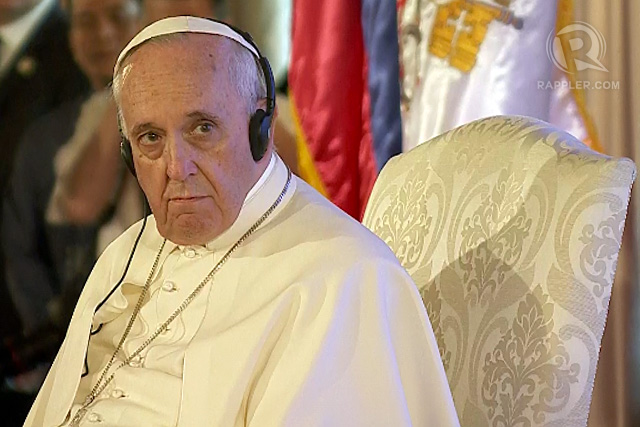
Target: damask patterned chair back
point(511, 230)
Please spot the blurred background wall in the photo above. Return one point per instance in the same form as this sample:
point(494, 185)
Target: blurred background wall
point(269, 22)
point(616, 399)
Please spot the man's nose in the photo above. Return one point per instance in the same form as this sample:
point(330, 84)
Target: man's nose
point(105, 30)
point(180, 162)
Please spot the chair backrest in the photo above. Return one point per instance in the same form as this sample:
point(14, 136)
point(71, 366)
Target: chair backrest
point(511, 230)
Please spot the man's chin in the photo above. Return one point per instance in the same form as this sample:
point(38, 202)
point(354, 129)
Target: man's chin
point(188, 231)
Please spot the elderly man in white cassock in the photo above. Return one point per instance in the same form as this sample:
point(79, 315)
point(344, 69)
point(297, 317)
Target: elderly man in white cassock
point(246, 298)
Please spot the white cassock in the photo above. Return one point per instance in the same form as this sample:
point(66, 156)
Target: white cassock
point(311, 322)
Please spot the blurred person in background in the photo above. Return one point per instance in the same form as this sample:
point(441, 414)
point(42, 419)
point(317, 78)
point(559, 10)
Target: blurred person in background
point(158, 9)
point(68, 197)
point(37, 73)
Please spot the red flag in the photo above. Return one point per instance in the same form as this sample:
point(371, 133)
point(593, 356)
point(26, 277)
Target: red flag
point(330, 101)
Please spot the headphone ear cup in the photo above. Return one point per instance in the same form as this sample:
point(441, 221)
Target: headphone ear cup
point(259, 130)
point(127, 155)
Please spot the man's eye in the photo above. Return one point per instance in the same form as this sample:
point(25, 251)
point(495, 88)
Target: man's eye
point(203, 128)
point(149, 138)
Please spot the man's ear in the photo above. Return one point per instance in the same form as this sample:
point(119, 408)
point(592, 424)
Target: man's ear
point(262, 104)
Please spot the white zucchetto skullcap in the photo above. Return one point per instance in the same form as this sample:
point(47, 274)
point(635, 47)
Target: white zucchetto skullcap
point(182, 24)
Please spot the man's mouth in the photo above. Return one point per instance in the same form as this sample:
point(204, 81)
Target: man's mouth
point(186, 199)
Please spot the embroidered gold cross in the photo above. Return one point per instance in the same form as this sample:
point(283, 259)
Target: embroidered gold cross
point(461, 26)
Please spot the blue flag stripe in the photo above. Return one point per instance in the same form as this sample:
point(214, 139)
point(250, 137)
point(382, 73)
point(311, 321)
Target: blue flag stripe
point(380, 31)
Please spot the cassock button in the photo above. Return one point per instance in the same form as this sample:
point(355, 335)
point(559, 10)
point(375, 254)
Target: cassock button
point(117, 393)
point(136, 362)
point(94, 418)
point(169, 286)
point(189, 252)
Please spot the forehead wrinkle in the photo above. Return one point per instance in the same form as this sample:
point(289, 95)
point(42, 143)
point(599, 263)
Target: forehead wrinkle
point(152, 94)
point(212, 46)
point(183, 61)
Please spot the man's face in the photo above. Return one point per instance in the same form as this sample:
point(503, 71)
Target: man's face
point(158, 9)
point(99, 31)
point(189, 133)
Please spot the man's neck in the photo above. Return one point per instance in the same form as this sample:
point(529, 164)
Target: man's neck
point(9, 14)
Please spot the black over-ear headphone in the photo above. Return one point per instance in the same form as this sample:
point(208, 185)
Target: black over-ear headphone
point(260, 122)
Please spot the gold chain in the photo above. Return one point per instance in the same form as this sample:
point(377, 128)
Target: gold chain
point(101, 384)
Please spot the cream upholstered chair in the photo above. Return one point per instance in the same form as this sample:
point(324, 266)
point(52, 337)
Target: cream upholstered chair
point(511, 230)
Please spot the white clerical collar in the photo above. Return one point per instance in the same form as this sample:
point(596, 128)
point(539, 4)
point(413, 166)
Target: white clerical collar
point(258, 200)
point(15, 34)
point(267, 172)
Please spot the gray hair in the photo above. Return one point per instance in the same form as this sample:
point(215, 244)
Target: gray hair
point(243, 67)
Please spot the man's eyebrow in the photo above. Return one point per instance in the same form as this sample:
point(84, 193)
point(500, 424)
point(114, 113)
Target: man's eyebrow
point(142, 127)
point(198, 114)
